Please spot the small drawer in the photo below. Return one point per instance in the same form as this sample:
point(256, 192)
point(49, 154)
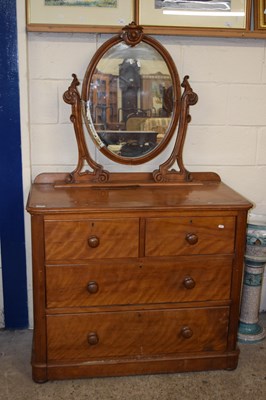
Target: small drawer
point(189, 235)
point(136, 333)
point(92, 238)
point(101, 284)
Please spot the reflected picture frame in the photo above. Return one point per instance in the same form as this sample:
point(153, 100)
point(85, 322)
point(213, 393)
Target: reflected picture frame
point(260, 14)
point(168, 16)
point(79, 15)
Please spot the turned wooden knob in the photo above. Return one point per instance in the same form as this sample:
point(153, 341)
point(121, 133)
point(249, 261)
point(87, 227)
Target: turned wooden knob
point(186, 332)
point(93, 338)
point(93, 241)
point(189, 282)
point(192, 238)
point(93, 287)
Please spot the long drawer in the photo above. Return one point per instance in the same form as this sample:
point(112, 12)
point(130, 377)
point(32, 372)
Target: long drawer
point(92, 238)
point(107, 283)
point(189, 235)
point(132, 333)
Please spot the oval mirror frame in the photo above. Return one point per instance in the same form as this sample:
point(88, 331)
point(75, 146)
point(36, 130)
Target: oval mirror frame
point(132, 35)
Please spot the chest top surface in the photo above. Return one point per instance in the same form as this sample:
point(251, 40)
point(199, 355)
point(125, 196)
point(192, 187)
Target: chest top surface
point(207, 196)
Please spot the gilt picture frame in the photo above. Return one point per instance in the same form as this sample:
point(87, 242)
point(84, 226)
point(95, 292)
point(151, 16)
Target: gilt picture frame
point(171, 15)
point(79, 15)
point(260, 14)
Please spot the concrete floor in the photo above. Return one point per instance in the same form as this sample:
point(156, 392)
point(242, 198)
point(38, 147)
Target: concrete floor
point(247, 382)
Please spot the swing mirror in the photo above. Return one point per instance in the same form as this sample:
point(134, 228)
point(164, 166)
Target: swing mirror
point(131, 98)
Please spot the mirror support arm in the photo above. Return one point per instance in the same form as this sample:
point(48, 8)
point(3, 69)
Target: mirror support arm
point(80, 174)
point(164, 173)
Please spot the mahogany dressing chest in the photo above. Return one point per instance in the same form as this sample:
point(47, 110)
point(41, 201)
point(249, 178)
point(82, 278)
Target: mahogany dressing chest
point(134, 272)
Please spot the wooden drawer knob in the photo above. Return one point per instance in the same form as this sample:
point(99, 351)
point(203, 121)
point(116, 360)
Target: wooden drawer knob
point(93, 241)
point(93, 338)
point(93, 287)
point(189, 282)
point(192, 238)
point(186, 332)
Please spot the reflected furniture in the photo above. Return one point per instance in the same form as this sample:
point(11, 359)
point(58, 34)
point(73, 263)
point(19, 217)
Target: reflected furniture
point(134, 272)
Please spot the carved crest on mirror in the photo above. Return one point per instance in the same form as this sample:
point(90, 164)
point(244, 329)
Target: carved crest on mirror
point(131, 105)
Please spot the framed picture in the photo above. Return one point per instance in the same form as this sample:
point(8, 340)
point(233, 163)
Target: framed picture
point(226, 14)
point(79, 15)
point(260, 14)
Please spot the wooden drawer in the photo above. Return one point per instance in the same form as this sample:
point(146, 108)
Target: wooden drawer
point(186, 236)
point(96, 284)
point(136, 333)
point(91, 238)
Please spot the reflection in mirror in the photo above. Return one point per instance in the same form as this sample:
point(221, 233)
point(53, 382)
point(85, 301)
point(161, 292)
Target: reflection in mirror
point(129, 100)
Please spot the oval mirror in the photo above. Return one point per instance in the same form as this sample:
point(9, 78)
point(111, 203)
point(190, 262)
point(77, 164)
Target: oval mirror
point(131, 99)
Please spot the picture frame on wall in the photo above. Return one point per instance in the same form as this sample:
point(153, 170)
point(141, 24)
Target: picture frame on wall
point(106, 16)
point(170, 15)
point(260, 14)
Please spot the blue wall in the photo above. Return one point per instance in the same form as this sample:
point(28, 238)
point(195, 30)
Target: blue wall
point(11, 191)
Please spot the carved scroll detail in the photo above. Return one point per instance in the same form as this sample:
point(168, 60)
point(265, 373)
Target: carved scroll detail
point(72, 94)
point(132, 34)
